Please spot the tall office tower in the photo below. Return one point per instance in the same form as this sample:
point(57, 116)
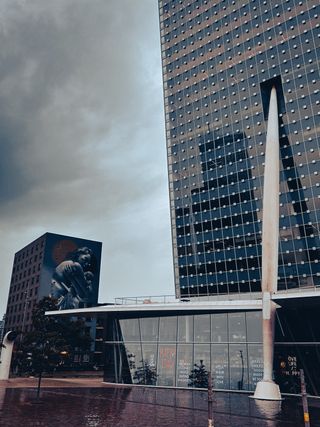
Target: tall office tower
point(220, 60)
point(67, 268)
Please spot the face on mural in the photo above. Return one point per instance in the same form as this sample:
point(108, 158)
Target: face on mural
point(84, 260)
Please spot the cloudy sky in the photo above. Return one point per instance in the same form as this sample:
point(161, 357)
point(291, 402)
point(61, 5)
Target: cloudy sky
point(82, 136)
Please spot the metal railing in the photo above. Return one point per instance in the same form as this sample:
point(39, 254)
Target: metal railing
point(146, 299)
point(300, 289)
point(167, 299)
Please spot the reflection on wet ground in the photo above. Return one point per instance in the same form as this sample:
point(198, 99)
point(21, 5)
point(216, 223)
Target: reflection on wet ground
point(135, 407)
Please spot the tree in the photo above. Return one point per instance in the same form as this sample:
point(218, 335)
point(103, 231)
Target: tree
point(198, 377)
point(52, 341)
point(145, 374)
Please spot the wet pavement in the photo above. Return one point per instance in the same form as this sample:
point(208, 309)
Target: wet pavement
point(92, 404)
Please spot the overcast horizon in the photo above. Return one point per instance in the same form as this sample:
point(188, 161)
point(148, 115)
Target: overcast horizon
point(83, 138)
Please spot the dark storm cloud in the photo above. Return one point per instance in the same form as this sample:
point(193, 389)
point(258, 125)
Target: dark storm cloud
point(81, 128)
point(69, 74)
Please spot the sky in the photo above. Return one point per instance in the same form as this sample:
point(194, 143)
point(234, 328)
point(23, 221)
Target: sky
point(82, 137)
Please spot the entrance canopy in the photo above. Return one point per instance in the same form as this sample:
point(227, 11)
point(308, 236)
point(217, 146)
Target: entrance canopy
point(173, 308)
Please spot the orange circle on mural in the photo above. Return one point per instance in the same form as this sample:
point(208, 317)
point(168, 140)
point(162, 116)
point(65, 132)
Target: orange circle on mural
point(61, 249)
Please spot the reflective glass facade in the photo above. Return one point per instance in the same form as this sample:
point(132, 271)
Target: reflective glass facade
point(163, 350)
point(220, 59)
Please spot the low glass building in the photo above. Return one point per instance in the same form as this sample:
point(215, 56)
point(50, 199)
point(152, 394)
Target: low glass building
point(177, 344)
point(179, 350)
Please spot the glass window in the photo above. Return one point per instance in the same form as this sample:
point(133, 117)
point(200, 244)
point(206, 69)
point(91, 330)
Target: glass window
point(237, 327)
point(134, 358)
point(254, 326)
point(202, 355)
point(238, 367)
point(219, 366)
point(130, 329)
point(168, 328)
point(255, 355)
point(185, 328)
point(149, 327)
point(166, 365)
point(149, 354)
point(184, 364)
point(202, 328)
point(219, 328)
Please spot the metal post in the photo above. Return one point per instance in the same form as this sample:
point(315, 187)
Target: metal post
point(306, 417)
point(210, 401)
point(39, 384)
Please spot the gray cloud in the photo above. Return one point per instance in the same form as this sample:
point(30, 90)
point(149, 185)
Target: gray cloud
point(82, 136)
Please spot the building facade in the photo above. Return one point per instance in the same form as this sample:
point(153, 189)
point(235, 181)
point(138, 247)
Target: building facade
point(66, 268)
point(220, 60)
point(167, 348)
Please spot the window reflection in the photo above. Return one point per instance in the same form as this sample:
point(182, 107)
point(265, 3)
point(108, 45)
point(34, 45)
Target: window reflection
point(254, 328)
point(202, 355)
point(255, 355)
point(202, 328)
point(185, 328)
point(134, 358)
point(219, 366)
point(149, 373)
point(150, 354)
point(237, 327)
point(168, 329)
point(149, 328)
point(184, 364)
point(166, 365)
point(170, 357)
point(219, 328)
point(130, 329)
point(238, 367)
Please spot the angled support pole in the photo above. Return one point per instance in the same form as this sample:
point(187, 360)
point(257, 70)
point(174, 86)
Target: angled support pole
point(267, 389)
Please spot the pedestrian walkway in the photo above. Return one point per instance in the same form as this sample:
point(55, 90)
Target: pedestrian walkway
point(87, 402)
point(53, 382)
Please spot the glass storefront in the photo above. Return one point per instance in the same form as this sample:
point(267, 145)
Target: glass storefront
point(179, 351)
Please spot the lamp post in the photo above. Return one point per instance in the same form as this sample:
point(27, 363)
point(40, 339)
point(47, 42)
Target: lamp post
point(41, 362)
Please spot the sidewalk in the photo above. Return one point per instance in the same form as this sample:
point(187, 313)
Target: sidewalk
point(53, 382)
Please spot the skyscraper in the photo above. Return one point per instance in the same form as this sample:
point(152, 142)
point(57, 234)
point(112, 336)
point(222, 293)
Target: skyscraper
point(220, 61)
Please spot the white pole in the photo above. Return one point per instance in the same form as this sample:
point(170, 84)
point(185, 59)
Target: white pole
point(267, 389)
point(6, 355)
